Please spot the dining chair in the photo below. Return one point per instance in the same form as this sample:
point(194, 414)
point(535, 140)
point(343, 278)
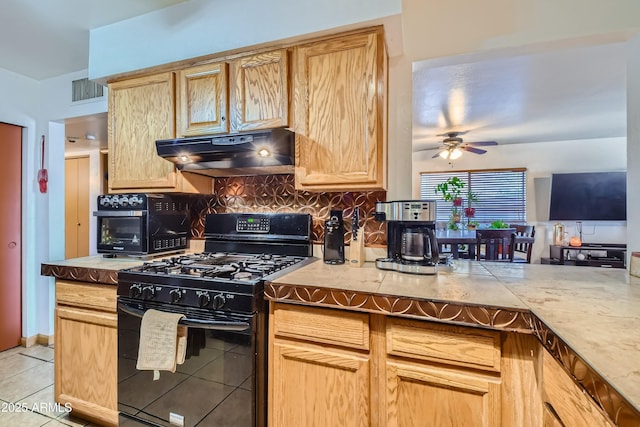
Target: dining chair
point(522, 249)
point(495, 245)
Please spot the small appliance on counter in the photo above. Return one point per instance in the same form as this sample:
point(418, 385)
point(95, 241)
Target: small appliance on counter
point(333, 248)
point(141, 225)
point(411, 236)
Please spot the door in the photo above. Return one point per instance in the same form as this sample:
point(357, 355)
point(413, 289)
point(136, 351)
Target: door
point(76, 207)
point(10, 234)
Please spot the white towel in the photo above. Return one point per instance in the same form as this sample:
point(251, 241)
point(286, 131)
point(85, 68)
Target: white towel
point(158, 349)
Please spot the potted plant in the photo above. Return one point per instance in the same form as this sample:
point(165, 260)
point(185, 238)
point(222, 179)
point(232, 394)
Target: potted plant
point(498, 224)
point(470, 211)
point(451, 191)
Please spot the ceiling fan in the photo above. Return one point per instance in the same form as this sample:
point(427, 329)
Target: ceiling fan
point(453, 146)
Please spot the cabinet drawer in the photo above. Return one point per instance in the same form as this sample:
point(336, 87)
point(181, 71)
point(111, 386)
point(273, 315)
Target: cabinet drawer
point(86, 295)
point(473, 348)
point(337, 327)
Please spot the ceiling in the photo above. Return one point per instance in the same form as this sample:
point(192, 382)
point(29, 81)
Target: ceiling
point(551, 94)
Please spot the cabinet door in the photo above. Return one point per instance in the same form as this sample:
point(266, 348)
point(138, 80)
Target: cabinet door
point(424, 395)
point(202, 100)
point(340, 113)
point(311, 386)
point(259, 94)
point(570, 405)
point(141, 110)
point(85, 369)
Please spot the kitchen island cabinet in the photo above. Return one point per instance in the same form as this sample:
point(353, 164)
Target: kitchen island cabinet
point(86, 350)
point(567, 340)
point(141, 111)
point(340, 113)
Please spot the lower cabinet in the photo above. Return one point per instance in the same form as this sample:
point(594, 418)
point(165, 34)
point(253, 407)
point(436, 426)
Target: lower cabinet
point(565, 404)
point(86, 345)
point(334, 367)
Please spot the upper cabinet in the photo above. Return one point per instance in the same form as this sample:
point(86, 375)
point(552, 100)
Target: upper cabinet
point(259, 94)
point(340, 113)
point(142, 110)
point(202, 100)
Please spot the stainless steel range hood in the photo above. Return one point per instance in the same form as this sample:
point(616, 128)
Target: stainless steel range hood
point(261, 152)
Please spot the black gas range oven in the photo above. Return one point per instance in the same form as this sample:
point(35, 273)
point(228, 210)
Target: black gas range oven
point(223, 379)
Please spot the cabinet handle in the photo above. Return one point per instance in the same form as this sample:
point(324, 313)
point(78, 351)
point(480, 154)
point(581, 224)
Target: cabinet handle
point(12, 245)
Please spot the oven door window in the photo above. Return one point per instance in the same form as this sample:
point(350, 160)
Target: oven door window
point(126, 233)
point(215, 386)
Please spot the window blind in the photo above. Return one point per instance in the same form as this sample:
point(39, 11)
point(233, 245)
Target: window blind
point(501, 194)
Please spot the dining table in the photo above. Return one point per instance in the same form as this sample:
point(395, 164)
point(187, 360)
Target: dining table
point(457, 239)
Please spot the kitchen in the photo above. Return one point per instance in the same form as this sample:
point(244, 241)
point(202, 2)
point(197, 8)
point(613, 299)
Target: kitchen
point(399, 127)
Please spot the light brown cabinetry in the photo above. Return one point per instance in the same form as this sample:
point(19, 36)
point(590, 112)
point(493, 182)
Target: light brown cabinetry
point(259, 91)
point(565, 404)
point(340, 113)
point(319, 368)
point(444, 374)
point(86, 345)
point(202, 100)
point(141, 111)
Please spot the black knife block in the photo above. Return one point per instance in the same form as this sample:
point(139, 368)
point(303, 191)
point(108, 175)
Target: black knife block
point(333, 248)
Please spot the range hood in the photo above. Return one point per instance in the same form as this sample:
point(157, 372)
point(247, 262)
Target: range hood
point(261, 152)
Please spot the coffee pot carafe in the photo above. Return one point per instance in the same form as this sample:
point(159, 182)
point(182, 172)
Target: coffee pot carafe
point(411, 237)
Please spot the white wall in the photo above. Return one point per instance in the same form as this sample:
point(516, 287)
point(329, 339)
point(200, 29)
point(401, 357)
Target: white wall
point(541, 160)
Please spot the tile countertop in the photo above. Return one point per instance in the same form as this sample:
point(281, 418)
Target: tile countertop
point(95, 269)
point(587, 315)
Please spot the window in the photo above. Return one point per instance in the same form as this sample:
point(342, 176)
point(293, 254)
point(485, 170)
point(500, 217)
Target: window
point(501, 193)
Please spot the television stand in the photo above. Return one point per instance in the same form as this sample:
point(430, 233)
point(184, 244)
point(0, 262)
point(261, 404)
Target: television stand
point(608, 255)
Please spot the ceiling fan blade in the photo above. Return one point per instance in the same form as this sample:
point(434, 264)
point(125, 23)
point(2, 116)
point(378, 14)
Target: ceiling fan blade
point(482, 143)
point(436, 155)
point(473, 149)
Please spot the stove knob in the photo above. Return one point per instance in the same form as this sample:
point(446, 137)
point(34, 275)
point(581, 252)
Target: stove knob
point(204, 299)
point(218, 301)
point(176, 295)
point(148, 292)
point(135, 291)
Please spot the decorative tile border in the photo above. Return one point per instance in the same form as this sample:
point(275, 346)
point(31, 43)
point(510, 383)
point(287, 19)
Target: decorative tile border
point(605, 396)
point(464, 314)
point(80, 274)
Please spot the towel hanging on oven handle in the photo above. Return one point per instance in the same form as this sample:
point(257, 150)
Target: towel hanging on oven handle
point(196, 323)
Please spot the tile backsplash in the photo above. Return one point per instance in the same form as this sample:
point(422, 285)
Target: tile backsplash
point(276, 193)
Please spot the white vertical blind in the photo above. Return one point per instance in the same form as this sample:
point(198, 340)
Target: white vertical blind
point(501, 194)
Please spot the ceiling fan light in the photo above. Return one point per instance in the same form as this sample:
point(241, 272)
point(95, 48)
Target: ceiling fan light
point(455, 153)
point(444, 154)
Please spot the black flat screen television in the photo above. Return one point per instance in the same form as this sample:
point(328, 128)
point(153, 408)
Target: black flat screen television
point(589, 196)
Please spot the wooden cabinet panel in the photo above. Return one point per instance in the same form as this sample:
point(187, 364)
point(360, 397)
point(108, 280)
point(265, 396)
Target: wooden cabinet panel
point(86, 295)
point(322, 325)
point(424, 395)
point(566, 401)
point(202, 100)
point(453, 345)
point(141, 111)
point(259, 94)
point(340, 113)
point(86, 343)
point(318, 387)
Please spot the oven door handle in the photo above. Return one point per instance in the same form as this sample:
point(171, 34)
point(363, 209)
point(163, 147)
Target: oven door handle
point(217, 325)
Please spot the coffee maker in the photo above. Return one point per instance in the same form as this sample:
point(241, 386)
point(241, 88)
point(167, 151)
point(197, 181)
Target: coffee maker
point(411, 236)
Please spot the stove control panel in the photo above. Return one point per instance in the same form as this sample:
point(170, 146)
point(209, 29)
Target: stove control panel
point(253, 224)
point(189, 297)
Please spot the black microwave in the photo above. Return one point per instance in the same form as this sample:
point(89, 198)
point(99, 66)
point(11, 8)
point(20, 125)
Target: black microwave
point(141, 224)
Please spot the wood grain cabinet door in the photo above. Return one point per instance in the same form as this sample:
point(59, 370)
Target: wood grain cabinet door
point(202, 100)
point(259, 94)
point(425, 395)
point(340, 113)
point(141, 111)
point(316, 387)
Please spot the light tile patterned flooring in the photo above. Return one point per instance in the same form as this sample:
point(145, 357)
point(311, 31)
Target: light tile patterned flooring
point(26, 390)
